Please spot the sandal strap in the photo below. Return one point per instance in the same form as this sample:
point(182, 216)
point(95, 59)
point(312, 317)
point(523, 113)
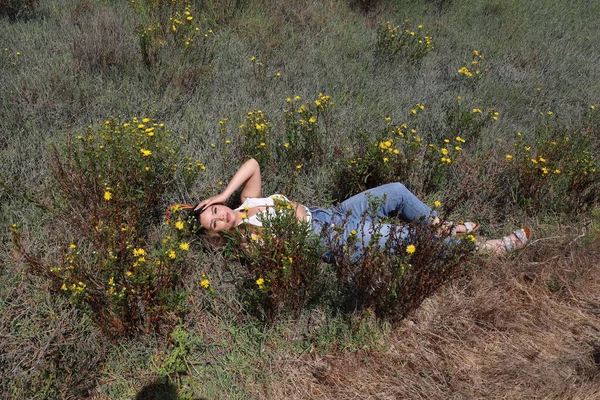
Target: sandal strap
point(520, 234)
point(470, 226)
point(508, 244)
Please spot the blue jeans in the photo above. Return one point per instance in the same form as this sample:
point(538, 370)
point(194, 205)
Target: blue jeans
point(395, 198)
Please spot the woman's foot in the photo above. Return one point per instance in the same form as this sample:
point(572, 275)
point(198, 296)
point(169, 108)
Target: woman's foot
point(464, 228)
point(447, 227)
point(514, 241)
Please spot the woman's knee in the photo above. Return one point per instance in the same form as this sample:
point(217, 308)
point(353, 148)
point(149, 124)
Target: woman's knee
point(396, 187)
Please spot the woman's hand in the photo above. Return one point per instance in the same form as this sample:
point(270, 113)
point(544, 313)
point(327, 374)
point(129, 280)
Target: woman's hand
point(218, 199)
point(248, 176)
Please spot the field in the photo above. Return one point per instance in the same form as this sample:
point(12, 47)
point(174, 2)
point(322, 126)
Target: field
point(113, 110)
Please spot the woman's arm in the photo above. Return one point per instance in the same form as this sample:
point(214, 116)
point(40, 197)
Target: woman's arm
point(248, 175)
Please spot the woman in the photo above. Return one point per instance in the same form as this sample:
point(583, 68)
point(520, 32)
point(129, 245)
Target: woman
point(217, 218)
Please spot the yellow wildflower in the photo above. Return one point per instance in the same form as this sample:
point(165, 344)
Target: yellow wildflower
point(509, 157)
point(171, 254)
point(145, 152)
point(107, 195)
point(184, 246)
point(260, 283)
point(179, 225)
point(437, 203)
point(410, 249)
point(205, 283)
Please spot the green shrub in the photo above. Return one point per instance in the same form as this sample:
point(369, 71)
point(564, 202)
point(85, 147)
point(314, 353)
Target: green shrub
point(285, 262)
point(556, 168)
point(474, 70)
point(256, 134)
point(394, 156)
point(405, 41)
point(109, 185)
point(393, 281)
point(305, 130)
point(172, 28)
point(468, 122)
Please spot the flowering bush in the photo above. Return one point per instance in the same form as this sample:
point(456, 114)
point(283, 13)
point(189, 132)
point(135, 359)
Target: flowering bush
point(285, 262)
point(109, 183)
point(556, 168)
point(393, 156)
point(402, 41)
point(305, 127)
point(172, 24)
point(394, 280)
point(475, 69)
point(468, 122)
point(256, 134)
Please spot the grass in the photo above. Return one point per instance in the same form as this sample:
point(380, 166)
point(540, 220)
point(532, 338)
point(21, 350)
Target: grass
point(521, 327)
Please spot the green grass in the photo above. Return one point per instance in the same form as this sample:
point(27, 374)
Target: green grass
point(80, 63)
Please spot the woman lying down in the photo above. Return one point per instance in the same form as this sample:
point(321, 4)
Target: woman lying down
point(216, 218)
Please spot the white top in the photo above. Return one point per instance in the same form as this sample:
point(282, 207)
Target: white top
point(269, 211)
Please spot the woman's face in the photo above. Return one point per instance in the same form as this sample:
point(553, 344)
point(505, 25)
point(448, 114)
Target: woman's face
point(218, 218)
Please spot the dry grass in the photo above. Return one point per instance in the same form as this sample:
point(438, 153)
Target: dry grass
point(525, 327)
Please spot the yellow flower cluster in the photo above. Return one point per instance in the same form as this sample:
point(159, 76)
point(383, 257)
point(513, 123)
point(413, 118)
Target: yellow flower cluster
point(403, 40)
point(448, 151)
point(185, 29)
point(475, 68)
point(323, 102)
point(76, 288)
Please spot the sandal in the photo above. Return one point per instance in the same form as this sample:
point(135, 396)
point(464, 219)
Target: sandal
point(470, 227)
point(522, 234)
